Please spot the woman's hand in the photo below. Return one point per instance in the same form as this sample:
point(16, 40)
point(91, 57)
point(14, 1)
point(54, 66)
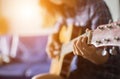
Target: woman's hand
point(89, 51)
point(53, 46)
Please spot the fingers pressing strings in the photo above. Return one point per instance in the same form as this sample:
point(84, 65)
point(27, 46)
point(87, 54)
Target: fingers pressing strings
point(82, 46)
point(77, 47)
point(76, 51)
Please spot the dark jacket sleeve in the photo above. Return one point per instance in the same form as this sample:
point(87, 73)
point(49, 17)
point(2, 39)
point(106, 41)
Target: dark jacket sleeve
point(100, 14)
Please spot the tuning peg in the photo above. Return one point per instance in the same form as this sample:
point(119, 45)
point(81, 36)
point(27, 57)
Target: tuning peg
point(107, 40)
point(99, 42)
point(118, 24)
point(101, 28)
point(109, 26)
point(104, 52)
point(117, 38)
point(113, 51)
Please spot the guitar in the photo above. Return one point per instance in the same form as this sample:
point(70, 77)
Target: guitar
point(65, 35)
point(104, 35)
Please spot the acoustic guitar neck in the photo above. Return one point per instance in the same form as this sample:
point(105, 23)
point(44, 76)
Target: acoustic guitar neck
point(104, 35)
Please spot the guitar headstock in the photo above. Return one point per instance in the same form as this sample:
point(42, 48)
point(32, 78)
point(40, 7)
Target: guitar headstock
point(107, 35)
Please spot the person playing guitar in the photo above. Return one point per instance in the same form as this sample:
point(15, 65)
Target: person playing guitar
point(83, 14)
point(106, 58)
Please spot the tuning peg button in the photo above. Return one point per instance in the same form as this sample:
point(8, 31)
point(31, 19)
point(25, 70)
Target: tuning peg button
point(104, 52)
point(113, 51)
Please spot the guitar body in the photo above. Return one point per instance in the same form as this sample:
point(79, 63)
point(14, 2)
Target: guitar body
point(61, 64)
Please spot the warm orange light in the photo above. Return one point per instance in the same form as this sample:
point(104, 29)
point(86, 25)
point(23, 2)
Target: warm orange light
point(3, 26)
point(24, 16)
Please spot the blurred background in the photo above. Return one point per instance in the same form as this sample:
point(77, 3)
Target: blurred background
point(23, 36)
